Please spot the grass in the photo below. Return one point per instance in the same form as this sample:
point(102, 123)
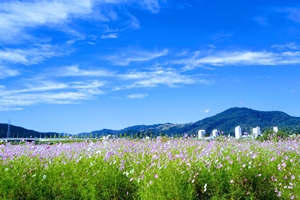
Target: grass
point(151, 169)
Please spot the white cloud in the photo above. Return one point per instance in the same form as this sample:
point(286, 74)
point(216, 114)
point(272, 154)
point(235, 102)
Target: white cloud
point(160, 76)
point(16, 16)
point(143, 78)
point(262, 20)
point(31, 55)
point(152, 5)
point(19, 18)
point(109, 36)
point(292, 13)
point(289, 46)
point(205, 111)
point(74, 70)
point(238, 58)
point(133, 22)
point(127, 56)
point(137, 96)
point(5, 72)
point(48, 92)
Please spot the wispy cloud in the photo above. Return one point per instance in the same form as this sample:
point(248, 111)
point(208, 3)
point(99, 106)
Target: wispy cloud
point(127, 56)
point(48, 92)
point(142, 78)
point(205, 111)
point(17, 17)
point(238, 58)
point(109, 36)
point(160, 76)
point(6, 72)
point(261, 20)
point(137, 96)
point(152, 5)
point(74, 70)
point(133, 22)
point(289, 46)
point(28, 56)
point(292, 13)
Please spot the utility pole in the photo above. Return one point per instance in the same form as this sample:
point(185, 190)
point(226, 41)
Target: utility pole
point(8, 130)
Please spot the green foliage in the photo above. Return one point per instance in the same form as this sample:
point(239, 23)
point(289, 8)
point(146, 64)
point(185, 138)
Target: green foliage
point(269, 134)
point(74, 179)
point(152, 169)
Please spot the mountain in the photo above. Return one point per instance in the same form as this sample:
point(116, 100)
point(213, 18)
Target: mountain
point(225, 121)
point(20, 132)
point(246, 118)
point(129, 130)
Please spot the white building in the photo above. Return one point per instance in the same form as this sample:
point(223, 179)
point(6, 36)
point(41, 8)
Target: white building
point(275, 129)
point(238, 132)
point(215, 133)
point(256, 131)
point(201, 133)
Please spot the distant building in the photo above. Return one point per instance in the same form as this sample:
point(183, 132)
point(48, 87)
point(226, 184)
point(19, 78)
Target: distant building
point(215, 133)
point(256, 131)
point(275, 129)
point(238, 132)
point(201, 133)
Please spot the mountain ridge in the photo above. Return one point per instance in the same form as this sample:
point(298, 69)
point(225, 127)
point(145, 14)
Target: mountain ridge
point(224, 121)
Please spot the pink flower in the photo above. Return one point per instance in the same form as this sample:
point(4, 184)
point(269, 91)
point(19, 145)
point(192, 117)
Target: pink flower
point(279, 194)
point(155, 176)
point(293, 177)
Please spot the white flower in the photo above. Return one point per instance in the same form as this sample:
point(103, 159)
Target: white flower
point(44, 176)
point(205, 187)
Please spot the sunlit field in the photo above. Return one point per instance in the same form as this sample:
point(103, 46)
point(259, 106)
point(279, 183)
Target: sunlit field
point(151, 169)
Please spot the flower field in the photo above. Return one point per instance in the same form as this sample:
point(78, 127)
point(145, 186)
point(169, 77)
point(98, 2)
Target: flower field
point(151, 169)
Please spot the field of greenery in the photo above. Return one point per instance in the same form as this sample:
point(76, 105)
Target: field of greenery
point(151, 169)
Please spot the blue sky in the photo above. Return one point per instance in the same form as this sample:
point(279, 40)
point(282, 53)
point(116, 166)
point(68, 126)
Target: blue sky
point(82, 65)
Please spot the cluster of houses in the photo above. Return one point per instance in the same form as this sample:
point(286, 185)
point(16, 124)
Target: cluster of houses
point(238, 132)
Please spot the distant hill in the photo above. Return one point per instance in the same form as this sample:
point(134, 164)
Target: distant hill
point(247, 119)
point(16, 131)
point(155, 129)
point(225, 121)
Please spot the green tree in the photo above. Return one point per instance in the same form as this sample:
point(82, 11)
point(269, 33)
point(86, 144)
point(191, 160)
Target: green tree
point(269, 134)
